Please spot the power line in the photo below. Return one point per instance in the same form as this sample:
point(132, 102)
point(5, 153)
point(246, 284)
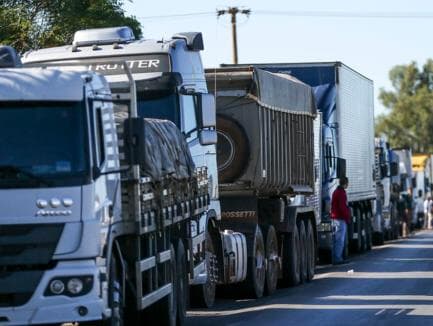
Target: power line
point(204, 13)
point(293, 13)
point(348, 14)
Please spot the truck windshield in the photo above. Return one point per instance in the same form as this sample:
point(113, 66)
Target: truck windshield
point(43, 144)
point(159, 105)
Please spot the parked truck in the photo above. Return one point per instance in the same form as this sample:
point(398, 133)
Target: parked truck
point(140, 241)
point(269, 175)
point(421, 184)
point(406, 204)
point(345, 99)
point(385, 206)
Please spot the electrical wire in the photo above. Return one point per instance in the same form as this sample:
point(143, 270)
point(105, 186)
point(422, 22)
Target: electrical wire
point(193, 14)
point(347, 14)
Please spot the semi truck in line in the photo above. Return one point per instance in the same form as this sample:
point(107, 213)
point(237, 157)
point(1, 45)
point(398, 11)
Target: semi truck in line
point(385, 220)
point(171, 85)
point(406, 204)
point(269, 175)
point(345, 99)
point(136, 238)
point(421, 183)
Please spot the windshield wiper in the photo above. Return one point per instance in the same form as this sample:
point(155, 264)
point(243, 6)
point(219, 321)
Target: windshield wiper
point(15, 170)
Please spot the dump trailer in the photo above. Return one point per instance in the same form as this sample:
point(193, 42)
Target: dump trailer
point(345, 98)
point(268, 171)
point(159, 227)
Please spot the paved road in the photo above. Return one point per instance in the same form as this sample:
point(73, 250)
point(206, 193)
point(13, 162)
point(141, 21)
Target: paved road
point(391, 285)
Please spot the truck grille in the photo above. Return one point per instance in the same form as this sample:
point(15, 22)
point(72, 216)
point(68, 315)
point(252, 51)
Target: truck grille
point(26, 251)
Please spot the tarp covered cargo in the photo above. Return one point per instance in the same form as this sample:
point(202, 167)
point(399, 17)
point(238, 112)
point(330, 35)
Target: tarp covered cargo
point(265, 131)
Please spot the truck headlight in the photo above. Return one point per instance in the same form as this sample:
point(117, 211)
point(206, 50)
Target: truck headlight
point(75, 286)
point(57, 287)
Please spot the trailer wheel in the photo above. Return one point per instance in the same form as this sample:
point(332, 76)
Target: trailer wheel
point(357, 229)
point(363, 233)
point(303, 252)
point(272, 265)
point(182, 283)
point(311, 252)
point(165, 311)
point(203, 295)
point(256, 272)
point(232, 149)
point(115, 295)
point(291, 261)
point(369, 236)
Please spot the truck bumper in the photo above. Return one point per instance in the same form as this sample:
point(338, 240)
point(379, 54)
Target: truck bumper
point(42, 309)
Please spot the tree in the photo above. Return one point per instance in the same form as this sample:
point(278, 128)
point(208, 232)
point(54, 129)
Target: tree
point(33, 24)
point(409, 121)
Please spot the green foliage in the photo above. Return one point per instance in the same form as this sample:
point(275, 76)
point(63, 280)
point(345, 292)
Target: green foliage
point(33, 24)
point(409, 122)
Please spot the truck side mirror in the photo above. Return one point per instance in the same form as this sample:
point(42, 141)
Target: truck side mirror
point(207, 111)
point(341, 167)
point(208, 137)
point(134, 140)
point(394, 169)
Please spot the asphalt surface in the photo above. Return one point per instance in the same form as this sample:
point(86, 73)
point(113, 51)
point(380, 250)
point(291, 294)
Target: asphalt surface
point(391, 285)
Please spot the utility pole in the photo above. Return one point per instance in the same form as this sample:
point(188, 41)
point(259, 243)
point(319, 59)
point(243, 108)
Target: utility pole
point(233, 11)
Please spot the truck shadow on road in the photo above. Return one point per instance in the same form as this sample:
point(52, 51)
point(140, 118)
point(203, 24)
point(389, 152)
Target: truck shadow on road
point(391, 284)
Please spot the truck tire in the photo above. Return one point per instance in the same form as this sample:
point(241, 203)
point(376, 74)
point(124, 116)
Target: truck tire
point(311, 252)
point(115, 295)
point(363, 233)
point(346, 245)
point(182, 283)
point(303, 251)
point(272, 265)
point(203, 295)
point(357, 229)
point(256, 270)
point(232, 149)
point(369, 231)
point(164, 312)
point(291, 260)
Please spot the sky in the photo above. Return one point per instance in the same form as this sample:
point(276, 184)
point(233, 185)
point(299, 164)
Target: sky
point(371, 46)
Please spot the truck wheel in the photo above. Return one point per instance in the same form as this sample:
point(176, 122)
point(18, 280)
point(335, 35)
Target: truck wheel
point(311, 252)
point(363, 233)
point(271, 259)
point(256, 272)
point(232, 149)
point(369, 231)
point(182, 283)
point(165, 310)
point(357, 232)
point(303, 251)
point(203, 295)
point(115, 295)
point(346, 245)
point(291, 260)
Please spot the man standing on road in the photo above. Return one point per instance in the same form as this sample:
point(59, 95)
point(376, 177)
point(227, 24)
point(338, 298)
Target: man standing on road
point(340, 213)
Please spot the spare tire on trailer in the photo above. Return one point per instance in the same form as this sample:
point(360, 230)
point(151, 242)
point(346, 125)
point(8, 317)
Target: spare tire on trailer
point(232, 149)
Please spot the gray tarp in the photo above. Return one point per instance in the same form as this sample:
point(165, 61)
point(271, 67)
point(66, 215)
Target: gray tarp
point(166, 151)
point(284, 91)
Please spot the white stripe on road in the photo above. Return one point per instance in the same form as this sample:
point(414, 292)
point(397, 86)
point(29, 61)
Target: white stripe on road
point(399, 312)
point(379, 297)
point(418, 310)
point(375, 275)
point(379, 312)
